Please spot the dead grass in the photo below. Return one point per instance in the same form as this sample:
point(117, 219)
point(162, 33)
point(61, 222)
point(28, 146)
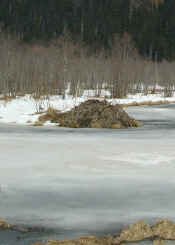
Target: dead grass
point(7, 98)
point(38, 124)
point(4, 225)
point(159, 242)
point(50, 115)
point(91, 240)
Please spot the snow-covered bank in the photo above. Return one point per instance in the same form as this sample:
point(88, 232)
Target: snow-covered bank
point(26, 110)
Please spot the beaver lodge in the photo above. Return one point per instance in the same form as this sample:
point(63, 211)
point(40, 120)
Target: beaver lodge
point(91, 114)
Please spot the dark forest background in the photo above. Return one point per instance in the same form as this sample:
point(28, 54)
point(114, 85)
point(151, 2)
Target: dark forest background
point(151, 23)
point(89, 44)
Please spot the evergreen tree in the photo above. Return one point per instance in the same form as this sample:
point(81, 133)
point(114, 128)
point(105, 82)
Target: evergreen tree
point(151, 23)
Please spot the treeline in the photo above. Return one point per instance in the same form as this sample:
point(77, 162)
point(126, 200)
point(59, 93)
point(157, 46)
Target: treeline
point(66, 67)
point(150, 23)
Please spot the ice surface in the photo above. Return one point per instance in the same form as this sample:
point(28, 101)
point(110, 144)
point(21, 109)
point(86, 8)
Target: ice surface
point(85, 181)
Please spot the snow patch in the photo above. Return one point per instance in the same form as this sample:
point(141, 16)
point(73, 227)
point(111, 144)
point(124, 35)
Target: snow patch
point(26, 109)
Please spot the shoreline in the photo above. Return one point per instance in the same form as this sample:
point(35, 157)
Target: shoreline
point(158, 233)
point(148, 103)
point(25, 110)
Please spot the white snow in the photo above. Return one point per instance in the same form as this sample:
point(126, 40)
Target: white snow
point(26, 110)
point(93, 93)
point(140, 98)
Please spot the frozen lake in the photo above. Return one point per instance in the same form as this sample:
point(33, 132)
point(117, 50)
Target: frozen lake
point(77, 182)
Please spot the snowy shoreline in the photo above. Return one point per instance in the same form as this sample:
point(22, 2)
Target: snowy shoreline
point(25, 110)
